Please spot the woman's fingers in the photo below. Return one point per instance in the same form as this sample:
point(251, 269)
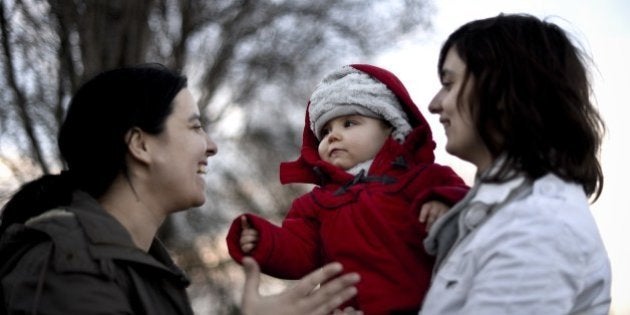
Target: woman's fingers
point(307, 284)
point(347, 311)
point(303, 298)
point(329, 301)
point(424, 213)
point(330, 295)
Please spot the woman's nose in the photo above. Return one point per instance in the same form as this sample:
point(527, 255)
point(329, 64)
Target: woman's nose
point(435, 106)
point(211, 148)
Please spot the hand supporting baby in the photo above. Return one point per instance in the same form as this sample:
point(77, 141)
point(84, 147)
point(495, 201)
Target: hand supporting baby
point(429, 213)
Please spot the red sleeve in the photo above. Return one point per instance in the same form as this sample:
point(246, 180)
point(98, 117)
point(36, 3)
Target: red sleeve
point(437, 182)
point(288, 252)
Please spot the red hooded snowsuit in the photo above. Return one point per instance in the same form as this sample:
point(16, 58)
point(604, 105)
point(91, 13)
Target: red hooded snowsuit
point(368, 223)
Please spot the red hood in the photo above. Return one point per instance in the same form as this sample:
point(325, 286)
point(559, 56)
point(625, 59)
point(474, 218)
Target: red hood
point(310, 168)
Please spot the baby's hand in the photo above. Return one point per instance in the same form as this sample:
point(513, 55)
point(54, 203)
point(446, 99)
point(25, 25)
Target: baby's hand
point(249, 236)
point(431, 211)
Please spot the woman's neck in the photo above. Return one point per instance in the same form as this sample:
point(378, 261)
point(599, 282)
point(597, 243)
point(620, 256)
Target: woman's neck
point(139, 219)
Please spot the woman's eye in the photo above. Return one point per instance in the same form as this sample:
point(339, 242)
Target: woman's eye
point(447, 85)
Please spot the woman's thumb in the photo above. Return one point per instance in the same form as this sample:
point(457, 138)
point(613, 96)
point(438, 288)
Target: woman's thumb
point(252, 279)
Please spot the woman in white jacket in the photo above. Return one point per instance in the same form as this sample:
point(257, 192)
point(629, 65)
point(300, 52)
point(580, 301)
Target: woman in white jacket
point(515, 102)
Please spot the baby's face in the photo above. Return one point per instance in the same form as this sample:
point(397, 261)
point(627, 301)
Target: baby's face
point(352, 139)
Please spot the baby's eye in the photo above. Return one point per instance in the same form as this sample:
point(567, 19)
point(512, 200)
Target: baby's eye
point(325, 131)
point(349, 122)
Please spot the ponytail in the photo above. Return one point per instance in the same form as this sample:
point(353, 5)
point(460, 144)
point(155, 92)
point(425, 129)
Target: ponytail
point(37, 197)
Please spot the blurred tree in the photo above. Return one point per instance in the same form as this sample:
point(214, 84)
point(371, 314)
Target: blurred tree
point(251, 64)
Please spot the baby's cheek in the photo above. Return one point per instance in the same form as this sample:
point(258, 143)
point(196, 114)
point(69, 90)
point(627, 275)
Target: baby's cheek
point(321, 149)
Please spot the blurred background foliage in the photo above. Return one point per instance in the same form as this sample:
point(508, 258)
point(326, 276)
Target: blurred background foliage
point(251, 64)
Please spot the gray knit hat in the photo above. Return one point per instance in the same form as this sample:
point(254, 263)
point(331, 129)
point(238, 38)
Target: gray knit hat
point(349, 91)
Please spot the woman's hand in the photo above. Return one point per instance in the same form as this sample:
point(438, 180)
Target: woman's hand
point(431, 211)
point(303, 298)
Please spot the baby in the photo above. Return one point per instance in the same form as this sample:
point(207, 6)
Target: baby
point(370, 152)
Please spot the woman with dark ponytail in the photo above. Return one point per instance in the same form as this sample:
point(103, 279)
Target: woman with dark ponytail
point(84, 241)
point(92, 138)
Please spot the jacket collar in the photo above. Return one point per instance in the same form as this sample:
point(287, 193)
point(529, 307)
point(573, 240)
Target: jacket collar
point(497, 191)
point(100, 227)
point(107, 238)
point(481, 202)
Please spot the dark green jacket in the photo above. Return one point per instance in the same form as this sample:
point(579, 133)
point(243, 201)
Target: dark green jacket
point(80, 260)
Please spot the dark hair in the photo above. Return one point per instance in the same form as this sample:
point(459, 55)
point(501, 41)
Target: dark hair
point(530, 97)
point(92, 137)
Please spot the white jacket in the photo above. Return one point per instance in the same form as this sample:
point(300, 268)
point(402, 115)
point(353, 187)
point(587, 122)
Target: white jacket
point(540, 253)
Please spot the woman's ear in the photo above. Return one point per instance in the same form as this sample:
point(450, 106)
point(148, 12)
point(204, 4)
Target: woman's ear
point(137, 144)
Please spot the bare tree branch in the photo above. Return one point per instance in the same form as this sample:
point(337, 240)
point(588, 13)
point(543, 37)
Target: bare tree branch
point(20, 99)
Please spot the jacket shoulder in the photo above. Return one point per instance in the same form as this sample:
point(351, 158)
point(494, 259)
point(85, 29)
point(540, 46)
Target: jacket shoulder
point(69, 250)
